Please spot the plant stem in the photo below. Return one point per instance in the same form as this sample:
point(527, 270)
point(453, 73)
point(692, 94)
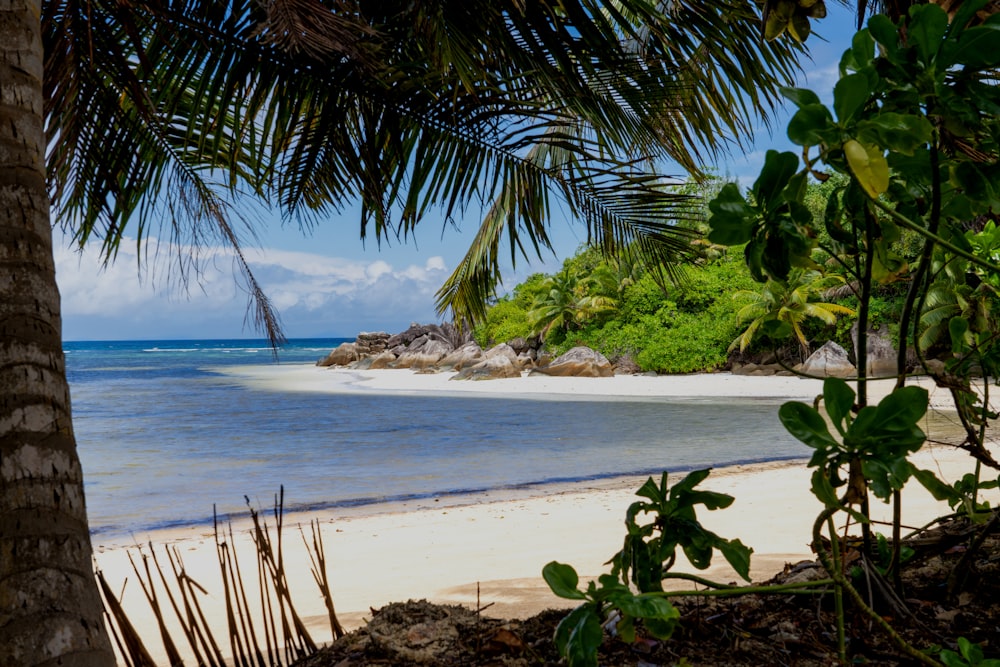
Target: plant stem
point(839, 578)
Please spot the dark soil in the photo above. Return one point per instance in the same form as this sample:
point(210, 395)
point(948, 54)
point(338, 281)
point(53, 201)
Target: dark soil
point(951, 589)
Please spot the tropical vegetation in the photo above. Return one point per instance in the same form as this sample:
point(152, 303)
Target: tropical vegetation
point(913, 128)
point(180, 118)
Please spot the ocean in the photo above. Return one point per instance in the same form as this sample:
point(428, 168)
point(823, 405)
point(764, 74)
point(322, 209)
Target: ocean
point(167, 439)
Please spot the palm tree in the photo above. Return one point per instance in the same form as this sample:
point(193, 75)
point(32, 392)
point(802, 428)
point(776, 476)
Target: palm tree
point(405, 108)
point(787, 305)
point(51, 611)
point(176, 112)
point(567, 303)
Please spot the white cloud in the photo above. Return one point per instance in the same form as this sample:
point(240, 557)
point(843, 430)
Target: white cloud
point(315, 295)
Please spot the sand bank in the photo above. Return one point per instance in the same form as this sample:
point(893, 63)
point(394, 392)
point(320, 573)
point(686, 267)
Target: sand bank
point(494, 546)
point(620, 387)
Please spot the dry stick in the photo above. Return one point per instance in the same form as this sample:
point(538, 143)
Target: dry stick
point(263, 542)
point(305, 645)
point(185, 626)
point(173, 655)
point(110, 624)
point(270, 632)
point(243, 606)
point(193, 610)
point(319, 573)
point(133, 643)
point(235, 645)
point(298, 643)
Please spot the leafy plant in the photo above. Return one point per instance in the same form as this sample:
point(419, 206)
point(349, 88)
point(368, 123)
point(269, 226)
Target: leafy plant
point(650, 549)
point(968, 655)
point(649, 552)
point(580, 633)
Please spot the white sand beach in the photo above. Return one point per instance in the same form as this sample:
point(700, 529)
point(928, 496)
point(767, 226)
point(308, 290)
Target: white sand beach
point(493, 546)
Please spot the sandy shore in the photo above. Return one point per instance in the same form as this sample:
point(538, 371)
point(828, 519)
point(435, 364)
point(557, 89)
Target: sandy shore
point(494, 546)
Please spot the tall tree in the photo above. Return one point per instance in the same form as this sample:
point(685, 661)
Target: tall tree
point(164, 112)
point(50, 611)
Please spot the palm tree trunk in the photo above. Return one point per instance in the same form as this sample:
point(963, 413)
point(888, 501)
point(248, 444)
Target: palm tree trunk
point(50, 609)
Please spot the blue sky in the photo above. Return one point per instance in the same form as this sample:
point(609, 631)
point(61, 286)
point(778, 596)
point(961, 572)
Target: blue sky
point(328, 283)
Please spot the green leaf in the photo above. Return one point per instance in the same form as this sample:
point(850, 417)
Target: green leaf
point(563, 580)
point(647, 606)
point(849, 96)
point(936, 487)
point(662, 627)
point(778, 168)
point(979, 47)
point(863, 49)
point(901, 410)
point(838, 397)
point(578, 637)
point(691, 480)
point(884, 32)
point(806, 127)
point(738, 555)
point(800, 96)
point(732, 219)
point(806, 424)
point(869, 167)
point(928, 25)
point(900, 133)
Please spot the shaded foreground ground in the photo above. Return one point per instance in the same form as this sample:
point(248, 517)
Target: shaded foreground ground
point(776, 629)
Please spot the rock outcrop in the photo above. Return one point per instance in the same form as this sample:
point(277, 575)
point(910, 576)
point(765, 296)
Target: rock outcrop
point(433, 348)
point(343, 354)
point(578, 362)
point(830, 360)
point(496, 367)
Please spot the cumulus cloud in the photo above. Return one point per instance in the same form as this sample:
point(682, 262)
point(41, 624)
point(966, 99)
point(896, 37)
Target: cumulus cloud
point(315, 295)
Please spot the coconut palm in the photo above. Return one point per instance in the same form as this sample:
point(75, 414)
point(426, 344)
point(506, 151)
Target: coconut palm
point(568, 301)
point(51, 609)
point(786, 305)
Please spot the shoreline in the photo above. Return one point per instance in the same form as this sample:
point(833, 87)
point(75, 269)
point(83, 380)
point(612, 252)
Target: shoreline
point(697, 386)
point(489, 547)
point(491, 552)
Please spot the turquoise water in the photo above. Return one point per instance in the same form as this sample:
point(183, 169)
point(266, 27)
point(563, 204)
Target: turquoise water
point(164, 436)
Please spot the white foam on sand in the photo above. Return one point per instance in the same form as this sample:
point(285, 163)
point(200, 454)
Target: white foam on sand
point(492, 548)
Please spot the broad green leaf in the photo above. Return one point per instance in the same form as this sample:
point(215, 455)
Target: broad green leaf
point(662, 627)
point(778, 168)
point(578, 637)
point(838, 397)
point(691, 480)
point(738, 555)
point(626, 629)
point(901, 410)
point(979, 47)
point(823, 490)
point(900, 133)
point(584, 641)
point(806, 127)
point(732, 219)
point(650, 489)
point(869, 167)
point(928, 24)
point(849, 96)
point(800, 96)
point(647, 606)
point(935, 486)
point(710, 499)
point(806, 424)
point(884, 32)
point(563, 580)
point(863, 48)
